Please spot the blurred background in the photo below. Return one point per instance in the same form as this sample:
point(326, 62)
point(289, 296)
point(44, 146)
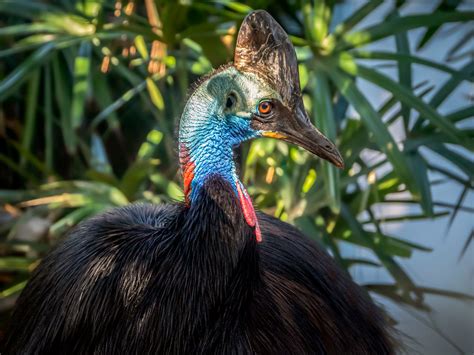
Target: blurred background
point(91, 92)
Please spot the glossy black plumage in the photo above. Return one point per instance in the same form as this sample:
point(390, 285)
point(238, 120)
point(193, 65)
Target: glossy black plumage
point(171, 279)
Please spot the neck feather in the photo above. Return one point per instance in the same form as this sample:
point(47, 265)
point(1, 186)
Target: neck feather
point(206, 145)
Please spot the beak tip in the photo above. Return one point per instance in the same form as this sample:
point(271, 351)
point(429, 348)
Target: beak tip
point(339, 162)
point(333, 155)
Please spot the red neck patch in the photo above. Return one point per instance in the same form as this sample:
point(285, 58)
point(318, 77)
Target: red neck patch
point(187, 166)
point(248, 210)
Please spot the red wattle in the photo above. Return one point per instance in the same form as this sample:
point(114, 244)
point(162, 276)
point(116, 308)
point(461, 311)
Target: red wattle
point(188, 171)
point(249, 211)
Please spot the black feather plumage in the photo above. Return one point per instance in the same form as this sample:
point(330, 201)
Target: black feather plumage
point(171, 279)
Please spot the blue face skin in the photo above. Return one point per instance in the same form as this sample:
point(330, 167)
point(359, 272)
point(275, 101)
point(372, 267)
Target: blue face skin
point(215, 120)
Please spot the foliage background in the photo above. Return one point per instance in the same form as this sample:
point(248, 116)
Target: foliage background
point(91, 91)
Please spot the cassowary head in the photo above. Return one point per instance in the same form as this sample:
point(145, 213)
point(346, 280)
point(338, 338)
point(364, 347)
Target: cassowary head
point(265, 55)
point(257, 96)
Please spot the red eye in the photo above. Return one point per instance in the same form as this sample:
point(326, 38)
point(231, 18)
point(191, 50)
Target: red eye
point(265, 107)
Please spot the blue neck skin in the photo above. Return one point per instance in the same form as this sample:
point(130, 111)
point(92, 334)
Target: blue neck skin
point(216, 119)
point(209, 140)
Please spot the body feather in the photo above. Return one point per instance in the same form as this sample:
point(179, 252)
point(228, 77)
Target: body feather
point(171, 279)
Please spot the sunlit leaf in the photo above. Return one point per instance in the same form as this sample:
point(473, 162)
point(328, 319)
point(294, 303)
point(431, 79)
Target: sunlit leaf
point(81, 84)
point(155, 94)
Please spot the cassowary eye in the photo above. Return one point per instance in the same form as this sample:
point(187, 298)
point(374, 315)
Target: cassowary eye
point(231, 100)
point(265, 107)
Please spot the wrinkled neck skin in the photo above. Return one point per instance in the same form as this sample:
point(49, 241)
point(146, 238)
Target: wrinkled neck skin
point(207, 137)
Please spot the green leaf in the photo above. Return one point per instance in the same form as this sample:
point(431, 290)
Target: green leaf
point(408, 217)
point(430, 32)
point(436, 203)
point(406, 96)
point(235, 6)
point(403, 57)
point(16, 288)
point(385, 288)
point(30, 115)
point(420, 175)
point(25, 8)
point(26, 29)
point(373, 122)
point(354, 139)
point(48, 120)
point(450, 174)
point(404, 68)
point(81, 84)
point(466, 245)
point(134, 178)
point(103, 95)
point(448, 87)
point(323, 115)
point(29, 157)
point(69, 23)
point(391, 119)
point(169, 187)
point(20, 74)
point(63, 100)
point(71, 219)
point(461, 114)
point(402, 24)
point(155, 94)
point(445, 90)
point(106, 178)
point(376, 245)
point(393, 293)
point(458, 205)
point(445, 293)
point(357, 17)
point(392, 242)
point(141, 47)
point(13, 263)
point(457, 159)
point(453, 52)
point(317, 20)
point(356, 261)
point(149, 146)
point(106, 114)
point(28, 175)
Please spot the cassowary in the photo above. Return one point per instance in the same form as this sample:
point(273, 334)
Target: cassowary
point(209, 275)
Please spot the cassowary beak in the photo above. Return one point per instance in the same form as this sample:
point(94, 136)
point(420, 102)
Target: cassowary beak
point(295, 127)
point(264, 50)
